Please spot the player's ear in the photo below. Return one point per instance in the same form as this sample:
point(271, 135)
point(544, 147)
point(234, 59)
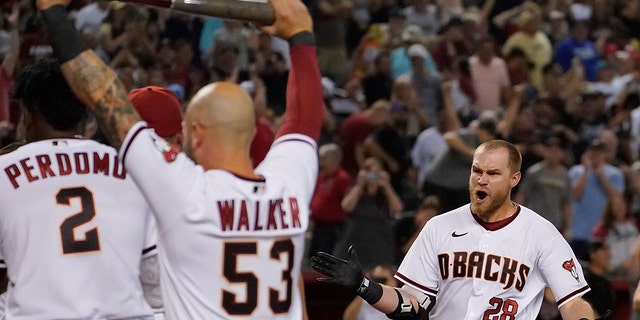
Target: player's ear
point(516, 179)
point(198, 132)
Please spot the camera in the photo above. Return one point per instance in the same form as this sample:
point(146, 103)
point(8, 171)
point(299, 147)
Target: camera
point(372, 176)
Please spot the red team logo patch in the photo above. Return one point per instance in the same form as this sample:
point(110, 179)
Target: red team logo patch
point(570, 266)
point(169, 152)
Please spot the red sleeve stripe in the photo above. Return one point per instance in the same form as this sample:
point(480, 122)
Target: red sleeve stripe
point(573, 294)
point(305, 105)
point(406, 280)
point(147, 250)
point(133, 136)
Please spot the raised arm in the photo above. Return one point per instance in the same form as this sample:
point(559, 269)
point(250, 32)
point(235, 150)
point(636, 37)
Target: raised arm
point(305, 106)
point(92, 81)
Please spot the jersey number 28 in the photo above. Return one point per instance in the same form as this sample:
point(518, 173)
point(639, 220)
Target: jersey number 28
point(501, 309)
point(69, 242)
point(234, 251)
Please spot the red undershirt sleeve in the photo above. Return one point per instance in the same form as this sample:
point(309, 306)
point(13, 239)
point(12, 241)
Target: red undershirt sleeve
point(305, 105)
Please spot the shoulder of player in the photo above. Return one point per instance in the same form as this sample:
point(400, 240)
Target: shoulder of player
point(535, 221)
point(296, 138)
point(453, 216)
point(58, 145)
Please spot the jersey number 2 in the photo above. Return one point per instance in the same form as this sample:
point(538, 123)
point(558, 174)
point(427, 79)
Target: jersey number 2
point(232, 252)
point(69, 242)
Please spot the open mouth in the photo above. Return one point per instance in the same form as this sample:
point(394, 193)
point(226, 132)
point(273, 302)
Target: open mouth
point(481, 195)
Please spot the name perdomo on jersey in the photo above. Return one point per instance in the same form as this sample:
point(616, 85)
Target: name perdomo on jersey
point(43, 166)
point(281, 215)
point(480, 265)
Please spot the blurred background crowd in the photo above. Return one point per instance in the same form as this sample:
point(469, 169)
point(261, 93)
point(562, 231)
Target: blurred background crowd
point(411, 87)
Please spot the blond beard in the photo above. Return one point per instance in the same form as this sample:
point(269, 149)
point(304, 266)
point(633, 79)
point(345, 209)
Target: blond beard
point(489, 206)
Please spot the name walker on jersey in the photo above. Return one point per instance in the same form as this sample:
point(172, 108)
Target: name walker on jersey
point(272, 214)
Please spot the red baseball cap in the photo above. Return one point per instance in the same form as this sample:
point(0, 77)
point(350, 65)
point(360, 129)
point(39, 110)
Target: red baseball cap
point(160, 108)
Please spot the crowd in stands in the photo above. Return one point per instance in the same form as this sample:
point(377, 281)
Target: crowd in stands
point(412, 87)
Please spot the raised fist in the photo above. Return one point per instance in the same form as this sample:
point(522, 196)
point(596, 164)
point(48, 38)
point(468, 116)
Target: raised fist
point(292, 16)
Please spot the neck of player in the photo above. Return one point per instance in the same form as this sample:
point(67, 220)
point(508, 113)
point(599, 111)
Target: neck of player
point(505, 211)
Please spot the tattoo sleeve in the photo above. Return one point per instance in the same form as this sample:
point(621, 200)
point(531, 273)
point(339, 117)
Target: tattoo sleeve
point(98, 87)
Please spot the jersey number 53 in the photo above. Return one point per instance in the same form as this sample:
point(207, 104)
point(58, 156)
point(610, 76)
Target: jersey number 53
point(233, 251)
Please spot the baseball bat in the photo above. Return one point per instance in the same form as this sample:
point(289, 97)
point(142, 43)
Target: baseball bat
point(259, 12)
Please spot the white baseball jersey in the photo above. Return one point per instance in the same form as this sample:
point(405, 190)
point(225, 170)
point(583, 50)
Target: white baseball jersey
point(229, 247)
point(483, 271)
point(73, 229)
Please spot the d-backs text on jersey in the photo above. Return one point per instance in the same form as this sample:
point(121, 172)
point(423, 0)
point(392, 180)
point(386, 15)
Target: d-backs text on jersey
point(480, 265)
point(240, 215)
point(43, 166)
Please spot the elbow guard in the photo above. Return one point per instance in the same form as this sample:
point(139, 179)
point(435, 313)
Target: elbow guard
point(406, 311)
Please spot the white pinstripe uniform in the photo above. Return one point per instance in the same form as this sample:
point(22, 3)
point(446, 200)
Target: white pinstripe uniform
point(482, 271)
point(73, 231)
point(229, 247)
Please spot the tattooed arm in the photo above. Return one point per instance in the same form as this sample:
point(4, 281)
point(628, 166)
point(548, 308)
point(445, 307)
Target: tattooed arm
point(92, 81)
point(98, 87)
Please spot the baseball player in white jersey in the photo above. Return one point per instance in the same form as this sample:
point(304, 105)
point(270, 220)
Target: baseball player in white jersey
point(231, 238)
point(490, 259)
point(73, 226)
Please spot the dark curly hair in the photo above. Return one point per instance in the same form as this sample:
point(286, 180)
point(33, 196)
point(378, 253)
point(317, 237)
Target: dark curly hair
point(42, 89)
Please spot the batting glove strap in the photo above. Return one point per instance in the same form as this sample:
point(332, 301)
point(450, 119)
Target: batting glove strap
point(370, 291)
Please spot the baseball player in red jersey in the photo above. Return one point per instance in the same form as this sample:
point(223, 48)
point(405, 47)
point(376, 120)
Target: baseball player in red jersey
point(73, 225)
point(490, 259)
point(231, 238)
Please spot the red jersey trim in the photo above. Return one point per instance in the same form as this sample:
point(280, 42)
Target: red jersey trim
point(497, 225)
point(573, 294)
point(404, 279)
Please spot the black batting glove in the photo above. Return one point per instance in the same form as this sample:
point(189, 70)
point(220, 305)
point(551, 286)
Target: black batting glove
point(347, 274)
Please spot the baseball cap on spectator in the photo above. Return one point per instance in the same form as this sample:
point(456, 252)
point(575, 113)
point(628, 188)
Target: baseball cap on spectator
point(412, 34)
point(160, 108)
point(417, 50)
point(597, 144)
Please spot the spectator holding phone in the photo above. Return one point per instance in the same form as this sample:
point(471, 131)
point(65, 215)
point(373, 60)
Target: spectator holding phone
point(370, 206)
